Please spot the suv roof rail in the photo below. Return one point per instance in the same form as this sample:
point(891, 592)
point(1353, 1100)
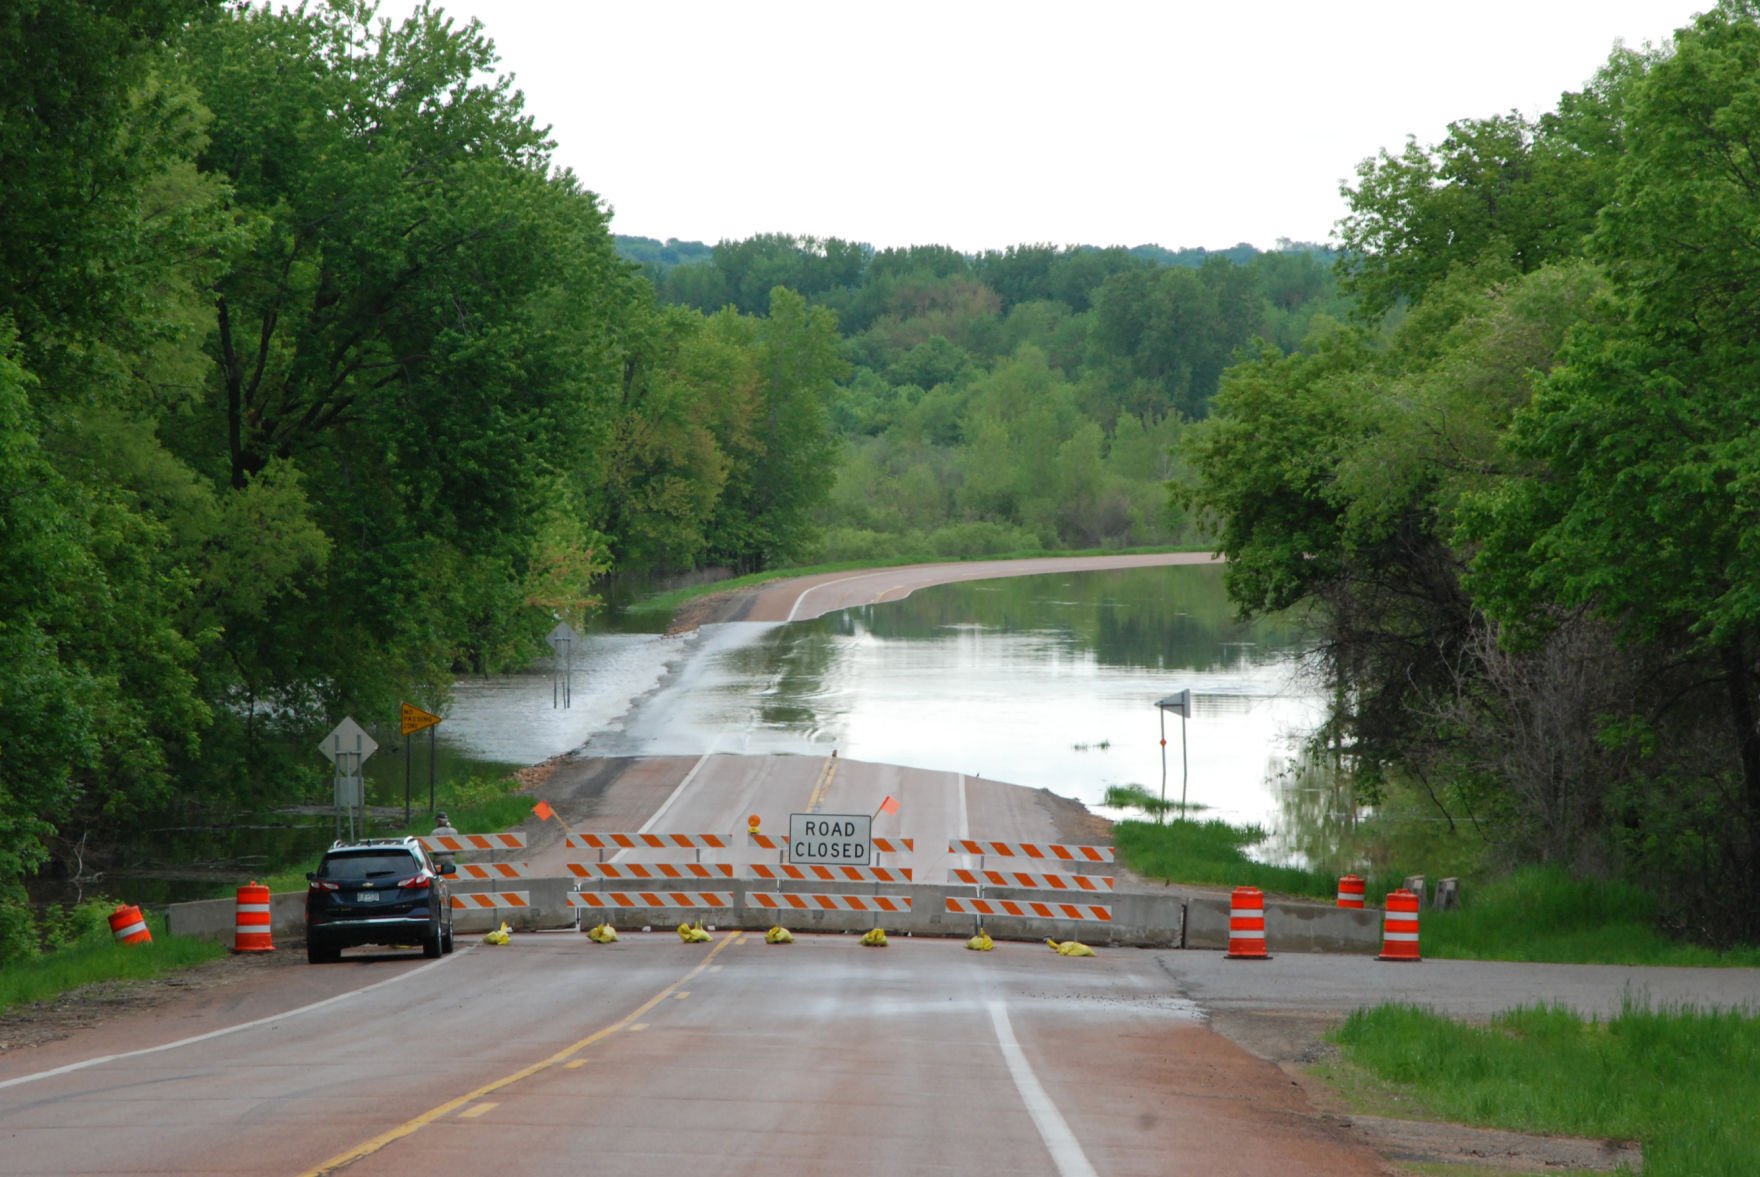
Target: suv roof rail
point(403, 840)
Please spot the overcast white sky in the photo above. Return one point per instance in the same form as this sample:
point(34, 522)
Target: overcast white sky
point(981, 125)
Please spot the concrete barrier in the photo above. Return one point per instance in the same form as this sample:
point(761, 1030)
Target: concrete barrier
point(1161, 918)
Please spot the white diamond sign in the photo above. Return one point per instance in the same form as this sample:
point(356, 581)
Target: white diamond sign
point(347, 745)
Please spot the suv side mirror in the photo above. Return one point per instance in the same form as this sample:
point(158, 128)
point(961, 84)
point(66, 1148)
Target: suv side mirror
point(311, 876)
point(447, 868)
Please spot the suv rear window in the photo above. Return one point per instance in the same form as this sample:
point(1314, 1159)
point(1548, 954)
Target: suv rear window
point(368, 865)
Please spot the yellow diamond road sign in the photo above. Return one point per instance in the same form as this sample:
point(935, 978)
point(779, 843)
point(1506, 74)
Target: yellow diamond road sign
point(415, 719)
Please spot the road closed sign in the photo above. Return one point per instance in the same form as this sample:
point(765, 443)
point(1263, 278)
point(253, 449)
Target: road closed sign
point(830, 839)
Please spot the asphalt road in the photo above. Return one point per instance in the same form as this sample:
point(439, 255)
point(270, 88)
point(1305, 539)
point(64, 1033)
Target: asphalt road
point(553, 1055)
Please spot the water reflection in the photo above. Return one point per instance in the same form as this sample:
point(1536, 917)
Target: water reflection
point(1046, 681)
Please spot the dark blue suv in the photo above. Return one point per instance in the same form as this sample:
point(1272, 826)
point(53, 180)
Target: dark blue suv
point(381, 891)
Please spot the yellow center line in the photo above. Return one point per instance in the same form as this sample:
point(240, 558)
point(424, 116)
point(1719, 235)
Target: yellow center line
point(819, 790)
point(409, 1127)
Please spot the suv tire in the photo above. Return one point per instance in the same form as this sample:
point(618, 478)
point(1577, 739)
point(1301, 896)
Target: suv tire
point(319, 954)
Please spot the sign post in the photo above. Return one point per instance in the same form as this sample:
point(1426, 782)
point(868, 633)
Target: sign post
point(414, 719)
point(562, 640)
point(830, 839)
point(347, 747)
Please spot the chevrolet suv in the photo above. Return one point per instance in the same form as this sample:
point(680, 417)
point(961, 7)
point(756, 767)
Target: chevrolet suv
point(380, 891)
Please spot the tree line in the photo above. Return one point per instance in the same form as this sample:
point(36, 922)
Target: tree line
point(1020, 399)
point(320, 383)
point(1519, 487)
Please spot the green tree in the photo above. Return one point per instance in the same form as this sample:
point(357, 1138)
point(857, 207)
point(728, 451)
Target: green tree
point(1643, 506)
point(781, 476)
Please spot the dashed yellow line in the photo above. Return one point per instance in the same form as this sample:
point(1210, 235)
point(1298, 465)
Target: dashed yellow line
point(409, 1127)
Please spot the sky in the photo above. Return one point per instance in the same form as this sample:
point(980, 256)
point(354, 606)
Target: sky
point(981, 125)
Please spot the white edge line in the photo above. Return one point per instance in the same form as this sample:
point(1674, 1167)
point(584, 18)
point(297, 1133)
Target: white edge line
point(292, 1013)
point(1066, 1153)
point(809, 590)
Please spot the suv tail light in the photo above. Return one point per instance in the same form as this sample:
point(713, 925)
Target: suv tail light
point(416, 881)
point(321, 885)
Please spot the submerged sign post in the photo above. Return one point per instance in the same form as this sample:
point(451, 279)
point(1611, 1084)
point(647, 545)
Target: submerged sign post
point(830, 839)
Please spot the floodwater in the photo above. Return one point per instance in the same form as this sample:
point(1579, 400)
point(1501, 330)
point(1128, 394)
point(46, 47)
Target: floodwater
point(1044, 681)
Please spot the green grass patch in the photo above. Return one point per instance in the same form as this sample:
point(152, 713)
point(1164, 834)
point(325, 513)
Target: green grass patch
point(1212, 853)
point(96, 958)
point(1534, 914)
point(1683, 1082)
point(1540, 914)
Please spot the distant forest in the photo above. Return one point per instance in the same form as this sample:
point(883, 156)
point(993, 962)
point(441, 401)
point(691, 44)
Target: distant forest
point(1017, 399)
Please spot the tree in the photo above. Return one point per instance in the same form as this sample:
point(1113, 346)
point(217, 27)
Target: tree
point(785, 466)
point(1644, 505)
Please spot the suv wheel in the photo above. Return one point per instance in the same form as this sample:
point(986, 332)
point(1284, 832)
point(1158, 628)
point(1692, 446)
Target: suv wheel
point(431, 946)
point(318, 954)
point(446, 939)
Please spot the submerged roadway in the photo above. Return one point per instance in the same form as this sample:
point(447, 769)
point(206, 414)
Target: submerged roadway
point(555, 1055)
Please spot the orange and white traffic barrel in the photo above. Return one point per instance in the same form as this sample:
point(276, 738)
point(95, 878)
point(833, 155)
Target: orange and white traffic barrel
point(129, 926)
point(1351, 891)
point(1399, 926)
point(1246, 925)
point(251, 930)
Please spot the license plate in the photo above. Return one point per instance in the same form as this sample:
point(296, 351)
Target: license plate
point(367, 897)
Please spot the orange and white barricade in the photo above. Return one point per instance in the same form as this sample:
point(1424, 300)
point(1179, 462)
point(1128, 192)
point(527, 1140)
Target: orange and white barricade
point(489, 900)
point(1399, 926)
point(816, 873)
point(786, 901)
point(1047, 851)
point(649, 842)
point(460, 843)
point(1351, 891)
point(1031, 879)
point(635, 900)
point(1044, 909)
point(129, 926)
point(649, 872)
point(251, 932)
point(493, 870)
point(1246, 925)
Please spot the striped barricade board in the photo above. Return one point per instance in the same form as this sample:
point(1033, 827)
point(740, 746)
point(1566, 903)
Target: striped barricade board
point(1043, 909)
point(788, 871)
point(647, 872)
point(650, 841)
point(880, 845)
point(1051, 851)
point(484, 900)
point(493, 870)
point(441, 843)
point(794, 901)
point(1030, 881)
point(633, 900)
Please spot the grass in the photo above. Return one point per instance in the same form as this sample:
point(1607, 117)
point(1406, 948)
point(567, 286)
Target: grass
point(1682, 1081)
point(1535, 914)
point(96, 957)
point(1212, 853)
point(1541, 914)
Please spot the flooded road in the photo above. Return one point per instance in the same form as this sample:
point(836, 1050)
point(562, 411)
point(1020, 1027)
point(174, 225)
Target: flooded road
point(1046, 681)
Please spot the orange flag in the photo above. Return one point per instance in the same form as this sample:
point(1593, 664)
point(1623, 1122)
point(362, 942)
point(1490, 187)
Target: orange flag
point(543, 810)
point(890, 805)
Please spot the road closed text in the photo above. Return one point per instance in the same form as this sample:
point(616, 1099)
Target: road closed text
point(829, 838)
